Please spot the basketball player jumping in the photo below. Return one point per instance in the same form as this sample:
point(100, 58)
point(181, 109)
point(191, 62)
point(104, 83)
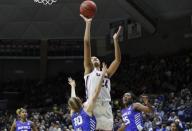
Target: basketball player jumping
point(82, 115)
point(102, 110)
point(132, 113)
point(23, 124)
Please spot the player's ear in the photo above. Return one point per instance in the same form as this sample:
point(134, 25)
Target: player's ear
point(68, 108)
point(85, 104)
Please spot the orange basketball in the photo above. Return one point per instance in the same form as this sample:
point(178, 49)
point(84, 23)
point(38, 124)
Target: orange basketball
point(88, 8)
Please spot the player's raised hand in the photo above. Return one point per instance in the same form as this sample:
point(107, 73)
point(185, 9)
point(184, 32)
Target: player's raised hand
point(104, 69)
point(116, 35)
point(145, 99)
point(71, 82)
point(86, 19)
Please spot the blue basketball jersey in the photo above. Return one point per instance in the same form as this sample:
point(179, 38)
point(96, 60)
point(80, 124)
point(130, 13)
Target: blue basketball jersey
point(23, 126)
point(81, 121)
point(132, 119)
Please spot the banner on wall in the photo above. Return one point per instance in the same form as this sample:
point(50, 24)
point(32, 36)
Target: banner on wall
point(134, 30)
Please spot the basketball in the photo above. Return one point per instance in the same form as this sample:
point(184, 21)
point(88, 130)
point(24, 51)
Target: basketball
point(88, 8)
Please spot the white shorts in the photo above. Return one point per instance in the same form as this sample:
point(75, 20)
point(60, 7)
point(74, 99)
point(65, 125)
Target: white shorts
point(104, 116)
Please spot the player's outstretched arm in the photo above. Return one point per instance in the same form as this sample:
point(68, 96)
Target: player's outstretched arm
point(147, 108)
point(116, 62)
point(34, 128)
point(72, 83)
point(13, 127)
point(87, 46)
point(93, 98)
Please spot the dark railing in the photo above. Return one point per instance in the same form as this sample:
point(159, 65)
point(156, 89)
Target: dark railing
point(70, 48)
point(19, 48)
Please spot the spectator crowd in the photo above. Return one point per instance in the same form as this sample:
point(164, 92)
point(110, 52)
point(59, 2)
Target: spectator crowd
point(167, 81)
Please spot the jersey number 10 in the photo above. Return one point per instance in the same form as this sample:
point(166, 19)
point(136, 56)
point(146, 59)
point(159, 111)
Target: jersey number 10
point(78, 121)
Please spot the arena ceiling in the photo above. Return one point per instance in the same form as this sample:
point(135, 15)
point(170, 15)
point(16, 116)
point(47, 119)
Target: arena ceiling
point(166, 9)
point(26, 19)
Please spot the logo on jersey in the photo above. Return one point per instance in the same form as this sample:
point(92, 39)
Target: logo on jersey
point(23, 128)
point(98, 74)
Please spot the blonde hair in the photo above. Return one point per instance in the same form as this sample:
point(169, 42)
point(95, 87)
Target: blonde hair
point(18, 111)
point(75, 103)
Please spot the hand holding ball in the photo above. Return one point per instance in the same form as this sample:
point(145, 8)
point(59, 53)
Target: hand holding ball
point(88, 9)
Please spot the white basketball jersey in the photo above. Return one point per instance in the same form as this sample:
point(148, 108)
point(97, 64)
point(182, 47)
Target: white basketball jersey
point(92, 81)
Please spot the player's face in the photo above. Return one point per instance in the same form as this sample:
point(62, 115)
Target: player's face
point(173, 127)
point(127, 98)
point(23, 114)
point(95, 61)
